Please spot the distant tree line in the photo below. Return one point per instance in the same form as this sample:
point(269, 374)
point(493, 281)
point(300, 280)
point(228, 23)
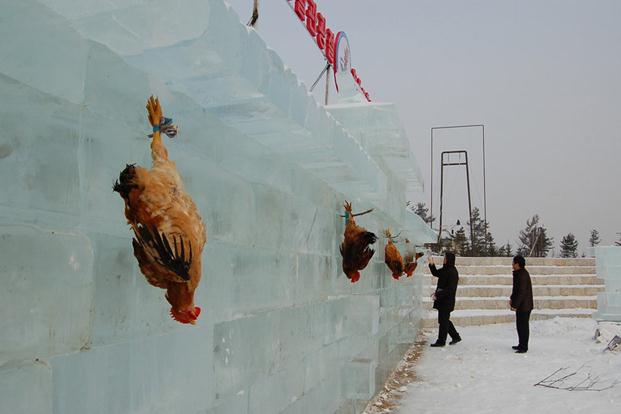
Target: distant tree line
point(534, 240)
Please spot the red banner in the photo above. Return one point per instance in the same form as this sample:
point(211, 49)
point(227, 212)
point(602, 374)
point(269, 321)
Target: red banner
point(315, 23)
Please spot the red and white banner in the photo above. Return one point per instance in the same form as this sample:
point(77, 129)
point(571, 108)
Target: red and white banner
point(342, 61)
point(335, 48)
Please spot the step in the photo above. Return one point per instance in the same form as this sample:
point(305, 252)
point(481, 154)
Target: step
point(487, 317)
point(535, 270)
point(530, 261)
point(549, 290)
point(468, 291)
point(502, 302)
point(483, 280)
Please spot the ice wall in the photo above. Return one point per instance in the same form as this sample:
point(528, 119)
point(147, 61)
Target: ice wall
point(608, 260)
point(282, 329)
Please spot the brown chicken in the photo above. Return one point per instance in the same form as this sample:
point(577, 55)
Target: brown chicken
point(411, 258)
point(355, 247)
point(392, 257)
point(169, 232)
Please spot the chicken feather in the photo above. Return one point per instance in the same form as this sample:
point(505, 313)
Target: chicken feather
point(392, 257)
point(411, 258)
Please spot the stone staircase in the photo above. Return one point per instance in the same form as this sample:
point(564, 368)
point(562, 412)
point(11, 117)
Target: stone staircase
point(561, 287)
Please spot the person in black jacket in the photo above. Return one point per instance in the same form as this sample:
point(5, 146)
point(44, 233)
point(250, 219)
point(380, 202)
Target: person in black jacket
point(444, 298)
point(521, 302)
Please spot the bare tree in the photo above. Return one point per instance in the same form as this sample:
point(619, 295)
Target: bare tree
point(534, 239)
point(581, 379)
point(569, 246)
point(422, 211)
point(594, 239)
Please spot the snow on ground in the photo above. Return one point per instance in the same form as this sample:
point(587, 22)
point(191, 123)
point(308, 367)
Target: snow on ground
point(482, 374)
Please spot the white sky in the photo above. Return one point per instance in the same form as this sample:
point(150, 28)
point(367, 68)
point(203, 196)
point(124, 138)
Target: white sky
point(544, 76)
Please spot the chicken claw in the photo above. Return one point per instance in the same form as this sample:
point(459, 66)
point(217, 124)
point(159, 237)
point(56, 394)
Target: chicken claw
point(155, 111)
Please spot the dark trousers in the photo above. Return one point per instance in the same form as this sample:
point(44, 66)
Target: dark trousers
point(521, 322)
point(446, 326)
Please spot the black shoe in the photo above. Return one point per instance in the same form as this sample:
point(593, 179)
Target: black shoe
point(521, 351)
point(516, 347)
point(437, 344)
point(454, 341)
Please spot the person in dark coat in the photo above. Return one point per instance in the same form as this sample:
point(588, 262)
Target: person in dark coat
point(444, 298)
point(521, 302)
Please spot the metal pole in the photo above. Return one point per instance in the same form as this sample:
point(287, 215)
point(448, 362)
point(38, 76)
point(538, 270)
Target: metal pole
point(441, 195)
point(469, 203)
point(482, 126)
point(319, 77)
point(431, 204)
point(484, 189)
point(328, 89)
point(538, 233)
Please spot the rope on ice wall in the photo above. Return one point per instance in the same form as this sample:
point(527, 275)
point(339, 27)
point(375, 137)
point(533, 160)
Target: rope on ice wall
point(166, 127)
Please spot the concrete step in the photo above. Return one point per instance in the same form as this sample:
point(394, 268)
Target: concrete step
point(562, 287)
point(549, 290)
point(530, 261)
point(535, 270)
point(486, 317)
point(469, 291)
point(502, 302)
point(482, 280)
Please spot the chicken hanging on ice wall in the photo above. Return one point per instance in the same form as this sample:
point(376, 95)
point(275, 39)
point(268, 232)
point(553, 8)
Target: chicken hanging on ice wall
point(392, 257)
point(169, 232)
point(355, 247)
point(411, 258)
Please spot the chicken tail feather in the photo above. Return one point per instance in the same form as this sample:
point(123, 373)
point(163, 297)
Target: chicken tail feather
point(369, 238)
point(173, 259)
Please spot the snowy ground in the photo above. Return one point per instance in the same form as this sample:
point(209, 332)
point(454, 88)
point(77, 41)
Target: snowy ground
point(483, 375)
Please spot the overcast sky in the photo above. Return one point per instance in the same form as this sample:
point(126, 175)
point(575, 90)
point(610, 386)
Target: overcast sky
point(544, 76)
